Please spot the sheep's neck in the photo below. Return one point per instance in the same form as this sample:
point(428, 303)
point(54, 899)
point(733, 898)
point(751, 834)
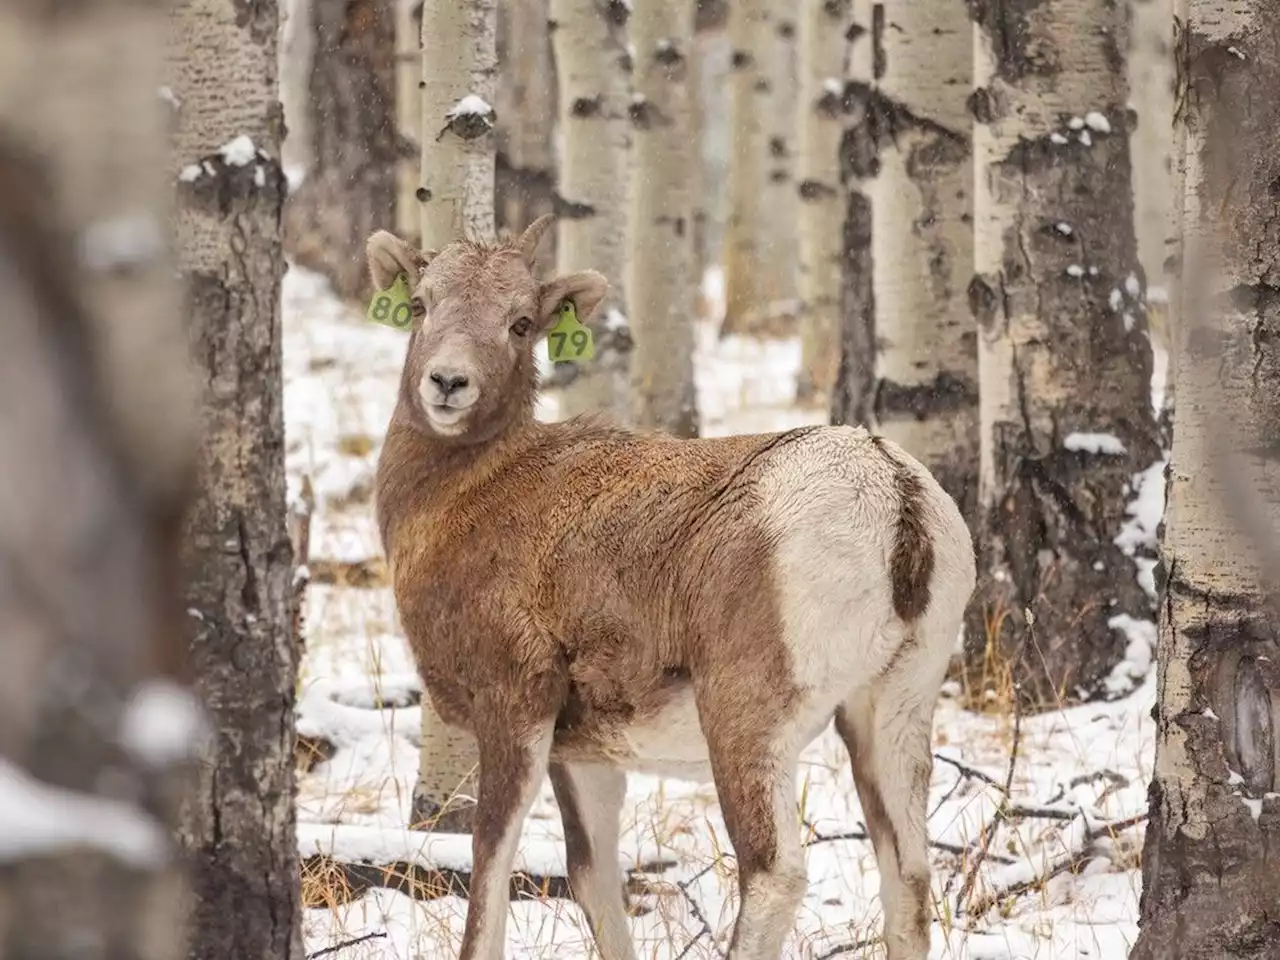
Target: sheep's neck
point(418, 471)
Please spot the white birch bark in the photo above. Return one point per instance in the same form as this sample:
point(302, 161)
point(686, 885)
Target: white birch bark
point(456, 197)
point(922, 241)
point(1064, 358)
point(660, 283)
point(458, 70)
point(823, 59)
point(592, 68)
point(1209, 875)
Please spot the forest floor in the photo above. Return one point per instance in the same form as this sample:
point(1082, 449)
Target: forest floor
point(1054, 875)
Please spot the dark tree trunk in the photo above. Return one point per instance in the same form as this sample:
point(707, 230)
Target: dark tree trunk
point(95, 484)
point(1066, 361)
point(1211, 863)
point(350, 190)
point(240, 825)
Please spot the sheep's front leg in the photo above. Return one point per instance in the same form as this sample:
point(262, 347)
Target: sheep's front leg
point(513, 761)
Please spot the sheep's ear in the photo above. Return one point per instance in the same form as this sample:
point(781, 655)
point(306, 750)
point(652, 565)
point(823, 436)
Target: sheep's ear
point(586, 289)
point(388, 255)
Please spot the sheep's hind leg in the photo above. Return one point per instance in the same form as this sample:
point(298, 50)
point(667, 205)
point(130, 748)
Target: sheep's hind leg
point(511, 771)
point(590, 798)
point(888, 739)
point(754, 764)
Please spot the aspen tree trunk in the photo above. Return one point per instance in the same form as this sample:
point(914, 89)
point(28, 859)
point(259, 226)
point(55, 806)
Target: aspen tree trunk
point(1151, 74)
point(456, 200)
point(853, 395)
point(297, 51)
point(661, 289)
point(1150, 69)
point(593, 68)
point(350, 190)
point(458, 69)
point(922, 241)
point(408, 104)
point(1064, 357)
point(759, 252)
point(821, 213)
point(709, 118)
point(98, 413)
point(526, 107)
point(1211, 880)
point(781, 217)
point(240, 826)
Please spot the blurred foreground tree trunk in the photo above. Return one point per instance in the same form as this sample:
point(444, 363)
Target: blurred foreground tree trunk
point(926, 393)
point(99, 428)
point(240, 825)
point(594, 72)
point(1065, 360)
point(350, 188)
point(1211, 866)
point(456, 200)
point(661, 288)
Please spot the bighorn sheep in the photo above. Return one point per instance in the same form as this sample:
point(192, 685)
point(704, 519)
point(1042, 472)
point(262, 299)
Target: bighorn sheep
point(589, 600)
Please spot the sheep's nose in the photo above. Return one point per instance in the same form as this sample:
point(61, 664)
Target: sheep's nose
point(448, 381)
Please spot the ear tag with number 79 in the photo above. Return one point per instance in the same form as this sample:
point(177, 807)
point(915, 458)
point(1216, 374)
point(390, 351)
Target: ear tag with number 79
point(569, 340)
point(390, 307)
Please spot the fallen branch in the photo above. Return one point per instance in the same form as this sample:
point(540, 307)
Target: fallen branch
point(424, 883)
point(344, 944)
point(1062, 863)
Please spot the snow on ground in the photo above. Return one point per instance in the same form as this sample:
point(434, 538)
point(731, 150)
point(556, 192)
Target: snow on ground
point(1077, 770)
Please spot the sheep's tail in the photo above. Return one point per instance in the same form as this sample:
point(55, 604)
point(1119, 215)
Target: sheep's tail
point(911, 561)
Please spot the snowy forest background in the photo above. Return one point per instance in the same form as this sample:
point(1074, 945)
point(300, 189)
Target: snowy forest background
point(1008, 235)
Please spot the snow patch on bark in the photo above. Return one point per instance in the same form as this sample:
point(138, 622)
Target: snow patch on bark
point(1100, 443)
point(470, 105)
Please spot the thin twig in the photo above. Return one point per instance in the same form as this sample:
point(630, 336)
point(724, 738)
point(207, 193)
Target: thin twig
point(344, 944)
point(1002, 814)
point(845, 948)
point(969, 771)
point(696, 910)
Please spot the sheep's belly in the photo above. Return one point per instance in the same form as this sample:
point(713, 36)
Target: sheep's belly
point(668, 744)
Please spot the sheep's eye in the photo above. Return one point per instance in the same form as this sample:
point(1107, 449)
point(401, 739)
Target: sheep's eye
point(419, 308)
point(522, 327)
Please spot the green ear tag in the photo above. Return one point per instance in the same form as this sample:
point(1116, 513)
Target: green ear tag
point(569, 341)
point(390, 307)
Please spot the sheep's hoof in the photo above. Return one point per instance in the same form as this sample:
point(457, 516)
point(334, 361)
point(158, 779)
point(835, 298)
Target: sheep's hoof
point(458, 816)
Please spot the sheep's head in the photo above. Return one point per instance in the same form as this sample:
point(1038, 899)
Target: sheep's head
point(477, 312)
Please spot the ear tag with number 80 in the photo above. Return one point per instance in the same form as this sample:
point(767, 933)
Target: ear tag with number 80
point(390, 307)
point(569, 340)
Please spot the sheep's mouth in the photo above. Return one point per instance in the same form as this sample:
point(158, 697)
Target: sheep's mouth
point(444, 415)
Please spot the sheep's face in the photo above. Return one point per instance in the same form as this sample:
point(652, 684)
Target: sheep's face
point(477, 313)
